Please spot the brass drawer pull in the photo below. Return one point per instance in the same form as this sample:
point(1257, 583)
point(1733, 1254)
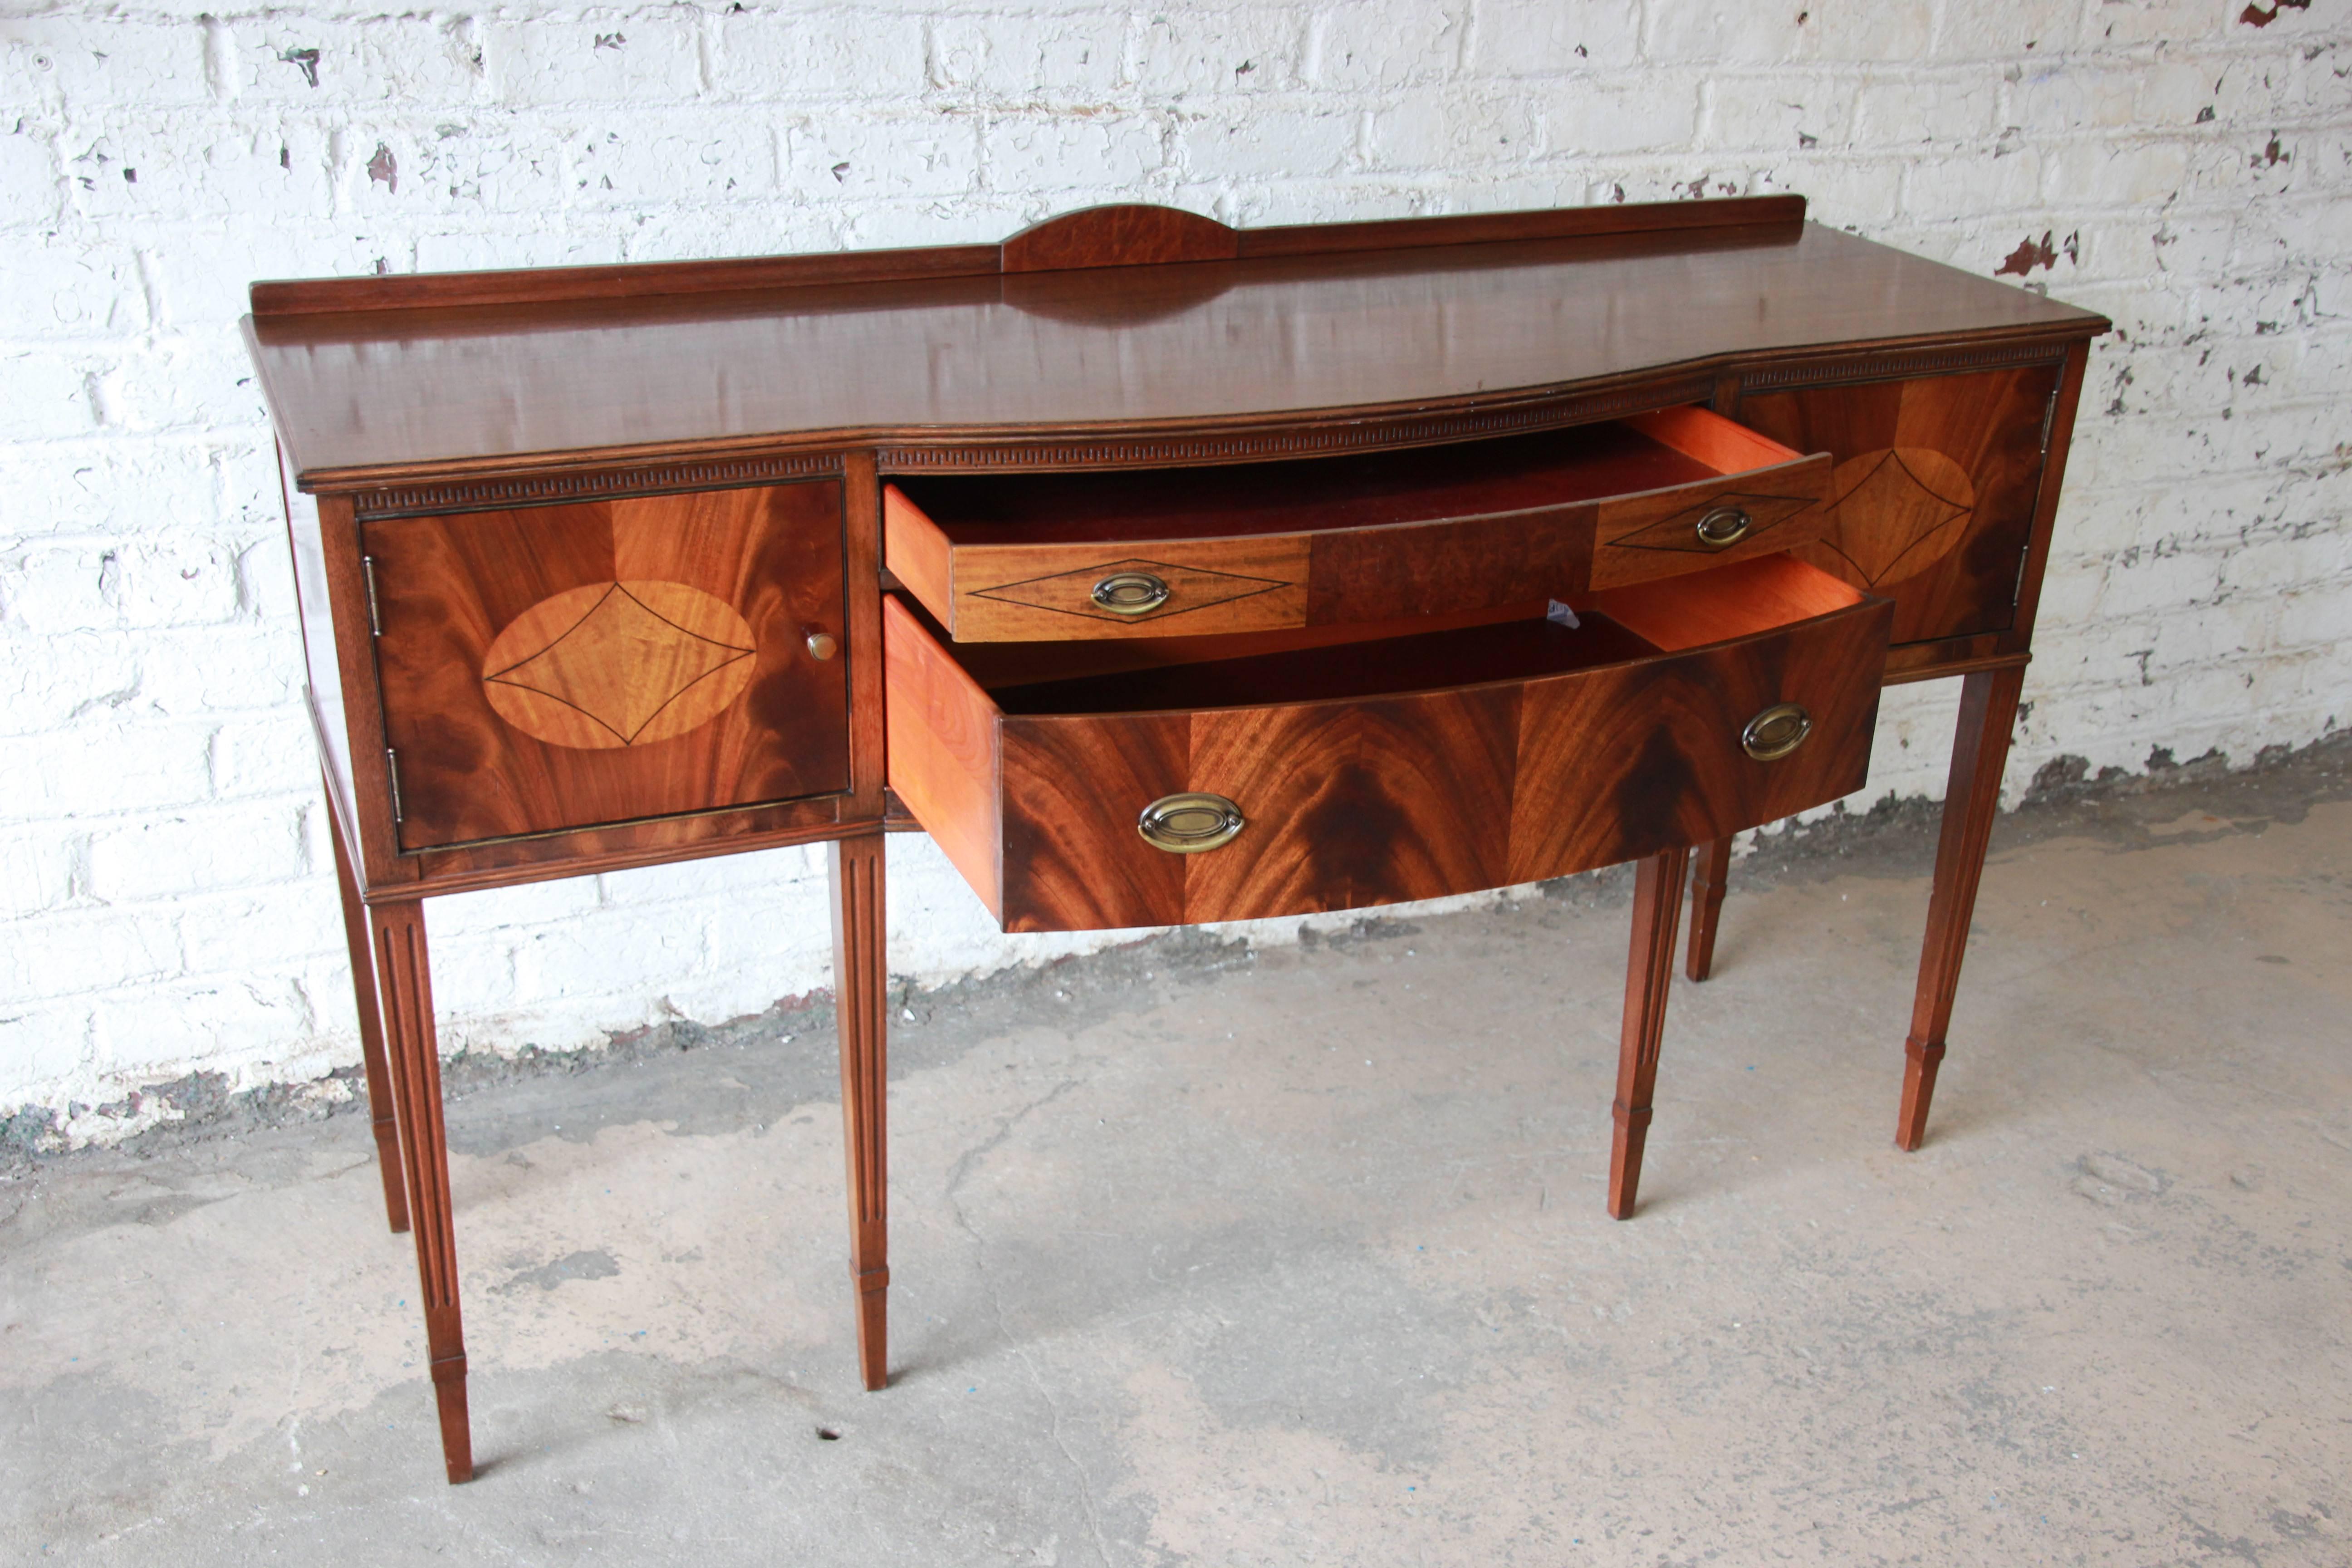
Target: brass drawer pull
point(1188, 824)
point(1724, 527)
point(1775, 732)
point(821, 645)
point(1132, 593)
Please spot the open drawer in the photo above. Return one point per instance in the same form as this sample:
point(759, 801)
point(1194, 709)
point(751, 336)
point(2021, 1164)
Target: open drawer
point(1285, 773)
point(1319, 541)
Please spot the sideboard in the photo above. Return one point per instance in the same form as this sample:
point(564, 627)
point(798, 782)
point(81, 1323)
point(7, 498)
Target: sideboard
point(1163, 572)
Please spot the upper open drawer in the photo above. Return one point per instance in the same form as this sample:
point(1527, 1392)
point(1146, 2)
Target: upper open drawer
point(1264, 546)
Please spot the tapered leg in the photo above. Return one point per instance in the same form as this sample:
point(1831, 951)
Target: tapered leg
point(1987, 710)
point(379, 1082)
point(1711, 867)
point(1649, 970)
point(860, 1002)
point(404, 978)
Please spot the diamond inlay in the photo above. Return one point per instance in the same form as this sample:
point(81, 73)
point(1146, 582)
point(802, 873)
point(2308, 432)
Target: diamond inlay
point(1679, 531)
point(1896, 511)
point(1189, 588)
point(619, 664)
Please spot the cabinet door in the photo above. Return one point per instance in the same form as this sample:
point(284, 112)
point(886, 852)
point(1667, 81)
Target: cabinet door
point(574, 665)
point(1931, 502)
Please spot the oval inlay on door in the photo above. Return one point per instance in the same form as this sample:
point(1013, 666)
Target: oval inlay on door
point(618, 664)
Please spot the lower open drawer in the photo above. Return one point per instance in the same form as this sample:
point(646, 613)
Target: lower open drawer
point(1087, 786)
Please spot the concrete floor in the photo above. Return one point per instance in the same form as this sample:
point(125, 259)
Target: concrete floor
point(1298, 1255)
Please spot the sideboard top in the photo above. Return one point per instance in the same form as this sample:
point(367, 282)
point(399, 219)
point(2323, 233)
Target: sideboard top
point(1038, 338)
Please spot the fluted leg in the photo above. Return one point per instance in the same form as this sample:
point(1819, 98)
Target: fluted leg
point(379, 1081)
point(860, 988)
point(405, 980)
point(1711, 869)
point(1648, 971)
point(1987, 711)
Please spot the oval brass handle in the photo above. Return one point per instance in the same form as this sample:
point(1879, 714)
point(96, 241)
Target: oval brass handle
point(822, 646)
point(1130, 592)
point(1724, 527)
point(1188, 824)
point(1775, 732)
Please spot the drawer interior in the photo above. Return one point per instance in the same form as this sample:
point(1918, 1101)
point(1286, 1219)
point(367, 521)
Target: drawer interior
point(1464, 656)
point(1520, 642)
point(1621, 456)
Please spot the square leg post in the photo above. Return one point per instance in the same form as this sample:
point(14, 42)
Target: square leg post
point(1710, 871)
point(1649, 972)
point(860, 989)
point(1979, 750)
point(378, 1075)
point(403, 977)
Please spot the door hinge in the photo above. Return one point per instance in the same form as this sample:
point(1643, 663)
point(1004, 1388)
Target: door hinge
point(2049, 418)
point(376, 615)
point(391, 771)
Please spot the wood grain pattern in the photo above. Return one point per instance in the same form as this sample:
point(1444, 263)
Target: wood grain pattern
point(413, 1062)
point(1359, 804)
point(375, 1069)
point(1971, 799)
point(860, 990)
point(1131, 233)
point(453, 591)
point(1010, 592)
point(1377, 799)
point(402, 397)
point(1073, 788)
point(1937, 482)
point(918, 554)
point(862, 645)
point(944, 756)
point(579, 852)
point(1649, 974)
point(1358, 539)
point(1106, 237)
point(1638, 537)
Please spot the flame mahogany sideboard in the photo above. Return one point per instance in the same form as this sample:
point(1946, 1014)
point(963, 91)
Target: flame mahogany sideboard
point(1163, 572)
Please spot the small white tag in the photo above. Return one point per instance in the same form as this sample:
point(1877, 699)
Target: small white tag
point(1561, 614)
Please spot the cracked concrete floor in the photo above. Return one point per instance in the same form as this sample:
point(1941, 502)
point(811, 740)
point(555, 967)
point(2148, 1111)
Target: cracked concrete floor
point(1298, 1255)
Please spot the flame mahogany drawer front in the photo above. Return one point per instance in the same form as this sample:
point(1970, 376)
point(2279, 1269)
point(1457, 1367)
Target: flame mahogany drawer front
point(570, 665)
point(1090, 790)
point(1328, 541)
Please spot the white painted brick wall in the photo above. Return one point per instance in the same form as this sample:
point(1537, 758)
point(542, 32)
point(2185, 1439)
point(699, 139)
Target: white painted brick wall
point(166, 901)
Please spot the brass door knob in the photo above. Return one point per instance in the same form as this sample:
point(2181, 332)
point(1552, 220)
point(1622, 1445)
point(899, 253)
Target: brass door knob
point(1775, 732)
point(1188, 824)
point(1130, 592)
point(1724, 527)
point(822, 646)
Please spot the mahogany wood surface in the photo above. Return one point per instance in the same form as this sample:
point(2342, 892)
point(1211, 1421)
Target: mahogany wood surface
point(1649, 974)
point(599, 512)
point(944, 749)
point(544, 669)
point(1971, 799)
point(404, 982)
point(1710, 873)
point(860, 932)
point(374, 1066)
point(1326, 541)
point(1933, 497)
point(1132, 233)
point(861, 650)
point(362, 397)
point(1118, 235)
point(1492, 771)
